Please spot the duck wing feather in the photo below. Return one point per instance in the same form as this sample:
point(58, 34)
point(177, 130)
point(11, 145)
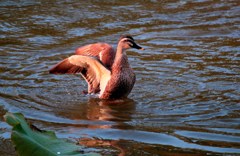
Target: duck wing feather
point(92, 70)
point(103, 51)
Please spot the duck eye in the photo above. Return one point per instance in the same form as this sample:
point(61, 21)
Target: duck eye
point(129, 42)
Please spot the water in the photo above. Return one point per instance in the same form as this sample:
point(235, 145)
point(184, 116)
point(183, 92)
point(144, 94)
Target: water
point(186, 98)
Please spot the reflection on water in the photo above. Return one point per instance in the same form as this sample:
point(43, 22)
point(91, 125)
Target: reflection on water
point(186, 98)
point(115, 110)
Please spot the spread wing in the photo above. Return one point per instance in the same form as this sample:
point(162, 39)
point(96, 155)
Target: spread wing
point(93, 49)
point(103, 51)
point(93, 71)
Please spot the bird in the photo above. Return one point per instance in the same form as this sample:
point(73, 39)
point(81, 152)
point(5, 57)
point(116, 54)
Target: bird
point(107, 72)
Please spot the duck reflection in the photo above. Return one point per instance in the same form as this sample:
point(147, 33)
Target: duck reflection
point(95, 109)
point(110, 110)
point(118, 111)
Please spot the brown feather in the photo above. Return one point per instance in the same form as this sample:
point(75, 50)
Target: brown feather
point(103, 51)
point(65, 67)
point(90, 68)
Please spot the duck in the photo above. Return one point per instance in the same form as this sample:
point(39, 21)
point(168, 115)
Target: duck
point(107, 72)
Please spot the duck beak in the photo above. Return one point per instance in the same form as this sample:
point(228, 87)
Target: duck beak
point(137, 46)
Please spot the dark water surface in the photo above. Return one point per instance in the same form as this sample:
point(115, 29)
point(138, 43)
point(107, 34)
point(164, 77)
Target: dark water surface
point(187, 96)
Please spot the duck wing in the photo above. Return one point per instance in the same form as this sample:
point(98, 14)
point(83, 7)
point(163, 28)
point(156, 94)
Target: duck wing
point(103, 51)
point(92, 70)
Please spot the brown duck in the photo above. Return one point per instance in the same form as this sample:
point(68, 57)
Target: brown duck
point(107, 72)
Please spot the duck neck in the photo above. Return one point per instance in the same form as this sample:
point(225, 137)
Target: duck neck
point(120, 61)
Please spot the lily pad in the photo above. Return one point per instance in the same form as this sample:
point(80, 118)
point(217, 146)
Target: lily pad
point(39, 143)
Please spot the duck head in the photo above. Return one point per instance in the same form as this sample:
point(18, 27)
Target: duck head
point(128, 42)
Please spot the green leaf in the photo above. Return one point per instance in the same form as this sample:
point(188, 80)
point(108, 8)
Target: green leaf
point(39, 143)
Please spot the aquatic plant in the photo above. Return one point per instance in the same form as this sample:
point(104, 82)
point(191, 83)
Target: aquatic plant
point(33, 141)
